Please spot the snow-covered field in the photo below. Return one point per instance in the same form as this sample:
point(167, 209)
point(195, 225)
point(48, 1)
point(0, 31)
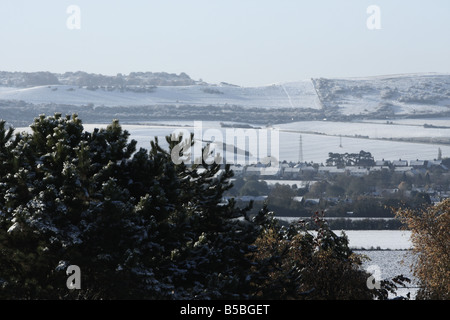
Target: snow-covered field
point(376, 239)
point(373, 130)
point(321, 137)
point(443, 121)
point(315, 147)
point(379, 239)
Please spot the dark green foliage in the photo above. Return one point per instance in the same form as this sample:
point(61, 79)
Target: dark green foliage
point(253, 187)
point(339, 160)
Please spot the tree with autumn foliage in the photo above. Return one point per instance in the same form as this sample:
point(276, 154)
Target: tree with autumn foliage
point(430, 235)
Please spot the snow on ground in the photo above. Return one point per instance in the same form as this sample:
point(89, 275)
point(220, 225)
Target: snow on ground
point(390, 264)
point(384, 239)
point(296, 94)
point(377, 239)
point(443, 122)
point(383, 95)
point(396, 94)
point(406, 129)
point(315, 147)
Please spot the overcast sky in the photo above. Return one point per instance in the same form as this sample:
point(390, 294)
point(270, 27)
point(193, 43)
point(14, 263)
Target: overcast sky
point(246, 42)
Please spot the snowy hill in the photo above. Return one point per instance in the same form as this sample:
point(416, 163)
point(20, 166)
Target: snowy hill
point(408, 94)
point(290, 95)
point(169, 96)
point(147, 88)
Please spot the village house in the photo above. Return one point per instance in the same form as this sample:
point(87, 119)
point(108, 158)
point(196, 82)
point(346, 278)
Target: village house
point(291, 173)
point(324, 171)
point(382, 163)
point(417, 163)
point(400, 163)
point(357, 171)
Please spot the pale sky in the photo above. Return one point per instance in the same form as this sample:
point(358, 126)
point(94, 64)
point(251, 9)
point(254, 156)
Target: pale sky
point(245, 42)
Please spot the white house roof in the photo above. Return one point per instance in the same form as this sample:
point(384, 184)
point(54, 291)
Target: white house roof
point(270, 171)
point(400, 163)
point(434, 163)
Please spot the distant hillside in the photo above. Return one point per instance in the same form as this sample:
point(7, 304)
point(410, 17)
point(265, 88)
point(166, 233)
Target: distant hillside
point(407, 94)
point(101, 92)
point(142, 96)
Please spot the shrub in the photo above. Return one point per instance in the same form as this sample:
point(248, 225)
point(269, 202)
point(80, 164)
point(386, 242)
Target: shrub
point(430, 229)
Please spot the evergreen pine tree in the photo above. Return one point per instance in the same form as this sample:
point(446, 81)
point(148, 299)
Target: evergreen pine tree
point(135, 223)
